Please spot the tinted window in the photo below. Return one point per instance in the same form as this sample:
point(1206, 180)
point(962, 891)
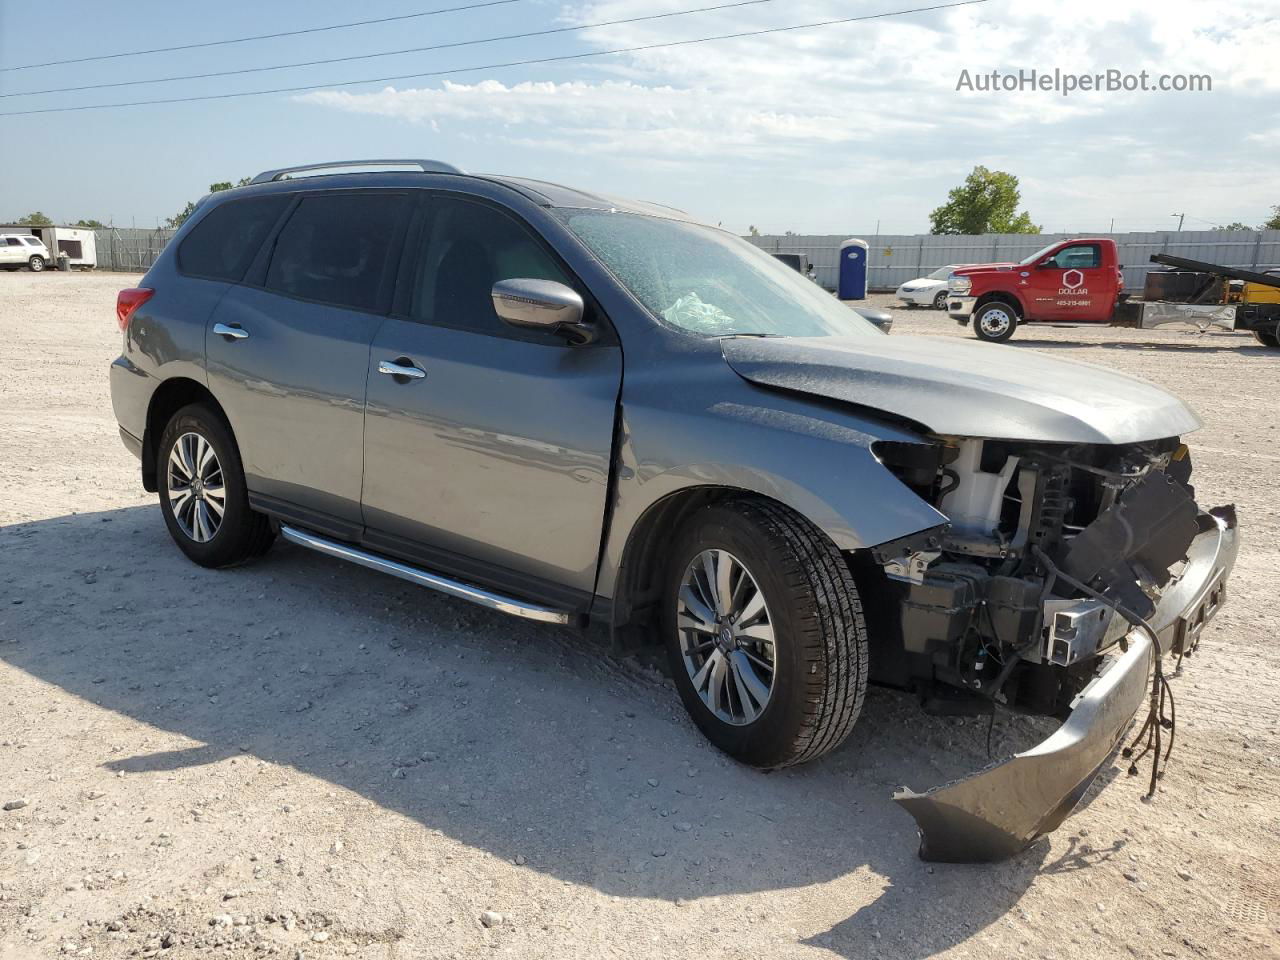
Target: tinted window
point(14, 242)
point(336, 248)
point(222, 244)
point(467, 248)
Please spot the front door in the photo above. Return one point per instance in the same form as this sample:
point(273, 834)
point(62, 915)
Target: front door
point(491, 460)
point(12, 250)
point(1072, 285)
point(289, 359)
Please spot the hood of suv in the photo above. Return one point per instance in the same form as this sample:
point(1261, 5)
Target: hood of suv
point(968, 389)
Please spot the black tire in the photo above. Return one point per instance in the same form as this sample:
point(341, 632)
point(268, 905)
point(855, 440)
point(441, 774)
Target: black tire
point(940, 301)
point(1271, 340)
point(819, 679)
point(241, 533)
point(36, 263)
point(995, 321)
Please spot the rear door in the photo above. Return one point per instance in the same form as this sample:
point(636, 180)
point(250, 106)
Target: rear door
point(288, 353)
point(1073, 284)
point(493, 462)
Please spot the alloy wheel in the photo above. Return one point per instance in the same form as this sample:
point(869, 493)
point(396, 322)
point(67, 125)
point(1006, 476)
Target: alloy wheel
point(197, 495)
point(995, 322)
point(726, 637)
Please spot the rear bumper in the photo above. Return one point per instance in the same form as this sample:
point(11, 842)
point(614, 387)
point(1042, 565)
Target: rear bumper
point(1000, 811)
point(960, 307)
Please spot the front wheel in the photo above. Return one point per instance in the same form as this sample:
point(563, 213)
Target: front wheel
point(764, 633)
point(940, 301)
point(995, 322)
point(36, 263)
point(202, 491)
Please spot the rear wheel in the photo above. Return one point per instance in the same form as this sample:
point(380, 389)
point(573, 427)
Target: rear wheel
point(202, 491)
point(1267, 339)
point(36, 263)
point(995, 322)
point(940, 301)
point(764, 633)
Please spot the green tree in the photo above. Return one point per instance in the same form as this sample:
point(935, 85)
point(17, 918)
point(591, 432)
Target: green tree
point(1233, 226)
point(1274, 222)
point(190, 208)
point(37, 219)
point(987, 202)
point(90, 224)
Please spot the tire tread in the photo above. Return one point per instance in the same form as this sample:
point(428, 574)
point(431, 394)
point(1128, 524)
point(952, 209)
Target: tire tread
point(832, 631)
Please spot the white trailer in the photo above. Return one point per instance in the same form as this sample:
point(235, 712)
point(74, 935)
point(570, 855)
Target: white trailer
point(80, 244)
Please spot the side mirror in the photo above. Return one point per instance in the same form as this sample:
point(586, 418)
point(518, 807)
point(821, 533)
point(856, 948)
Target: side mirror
point(542, 305)
point(1046, 263)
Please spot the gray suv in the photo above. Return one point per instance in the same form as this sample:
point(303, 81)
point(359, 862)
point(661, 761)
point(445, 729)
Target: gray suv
point(575, 408)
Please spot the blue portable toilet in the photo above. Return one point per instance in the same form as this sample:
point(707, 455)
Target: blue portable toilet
point(851, 279)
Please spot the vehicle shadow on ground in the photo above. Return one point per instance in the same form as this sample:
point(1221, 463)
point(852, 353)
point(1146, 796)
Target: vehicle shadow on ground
point(513, 738)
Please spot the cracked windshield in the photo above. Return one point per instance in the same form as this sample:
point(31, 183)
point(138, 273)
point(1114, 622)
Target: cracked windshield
point(709, 282)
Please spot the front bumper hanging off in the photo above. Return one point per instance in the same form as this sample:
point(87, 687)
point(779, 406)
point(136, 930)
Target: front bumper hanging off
point(1000, 811)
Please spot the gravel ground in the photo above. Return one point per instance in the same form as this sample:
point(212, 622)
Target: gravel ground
point(305, 759)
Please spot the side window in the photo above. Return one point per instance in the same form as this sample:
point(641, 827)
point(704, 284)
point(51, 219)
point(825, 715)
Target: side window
point(222, 245)
point(13, 242)
point(1079, 257)
point(336, 248)
point(466, 248)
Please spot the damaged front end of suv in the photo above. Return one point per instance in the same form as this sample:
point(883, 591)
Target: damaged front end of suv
point(1068, 560)
point(1064, 576)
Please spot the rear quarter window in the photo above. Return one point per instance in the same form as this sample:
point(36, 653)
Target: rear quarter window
point(222, 245)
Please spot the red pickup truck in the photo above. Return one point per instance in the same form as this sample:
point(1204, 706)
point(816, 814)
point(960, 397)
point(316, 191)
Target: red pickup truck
point(1069, 281)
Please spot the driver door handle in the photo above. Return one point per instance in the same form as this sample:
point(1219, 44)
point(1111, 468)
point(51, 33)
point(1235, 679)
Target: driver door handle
point(231, 333)
point(401, 368)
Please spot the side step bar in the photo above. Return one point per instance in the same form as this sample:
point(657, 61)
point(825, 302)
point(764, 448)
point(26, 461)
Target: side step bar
point(483, 598)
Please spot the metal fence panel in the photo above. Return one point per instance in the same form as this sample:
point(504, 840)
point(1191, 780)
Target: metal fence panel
point(896, 258)
point(129, 249)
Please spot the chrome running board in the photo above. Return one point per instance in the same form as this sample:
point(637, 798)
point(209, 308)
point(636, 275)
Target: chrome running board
point(463, 591)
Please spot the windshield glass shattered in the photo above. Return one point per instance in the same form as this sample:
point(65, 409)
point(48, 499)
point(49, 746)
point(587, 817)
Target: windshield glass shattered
point(710, 282)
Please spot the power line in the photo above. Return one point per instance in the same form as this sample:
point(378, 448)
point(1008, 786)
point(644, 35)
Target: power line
point(495, 66)
point(264, 36)
point(393, 53)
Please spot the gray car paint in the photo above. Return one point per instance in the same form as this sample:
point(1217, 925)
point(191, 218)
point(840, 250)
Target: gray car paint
point(449, 462)
point(299, 425)
point(687, 419)
point(164, 342)
point(968, 389)
point(793, 420)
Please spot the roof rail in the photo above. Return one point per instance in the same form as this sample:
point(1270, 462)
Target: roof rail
point(426, 166)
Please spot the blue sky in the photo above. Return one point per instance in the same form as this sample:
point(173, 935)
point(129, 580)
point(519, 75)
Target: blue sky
point(826, 130)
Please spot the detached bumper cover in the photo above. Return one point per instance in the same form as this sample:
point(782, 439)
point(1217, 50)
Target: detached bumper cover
point(960, 307)
point(998, 812)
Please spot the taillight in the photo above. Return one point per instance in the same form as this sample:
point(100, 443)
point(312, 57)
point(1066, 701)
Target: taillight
point(127, 301)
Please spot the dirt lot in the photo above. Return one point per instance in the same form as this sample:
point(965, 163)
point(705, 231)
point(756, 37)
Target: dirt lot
point(302, 758)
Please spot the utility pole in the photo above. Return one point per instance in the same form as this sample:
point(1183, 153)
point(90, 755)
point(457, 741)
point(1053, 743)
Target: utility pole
point(1113, 225)
point(1181, 217)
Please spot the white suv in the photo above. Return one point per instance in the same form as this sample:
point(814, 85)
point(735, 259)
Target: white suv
point(18, 249)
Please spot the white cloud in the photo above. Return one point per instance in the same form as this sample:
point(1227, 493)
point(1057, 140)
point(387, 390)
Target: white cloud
point(791, 117)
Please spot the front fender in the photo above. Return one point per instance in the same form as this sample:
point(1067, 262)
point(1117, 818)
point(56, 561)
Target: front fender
point(814, 458)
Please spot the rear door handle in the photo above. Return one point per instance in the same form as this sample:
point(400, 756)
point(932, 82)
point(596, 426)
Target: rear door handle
point(231, 333)
point(401, 368)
